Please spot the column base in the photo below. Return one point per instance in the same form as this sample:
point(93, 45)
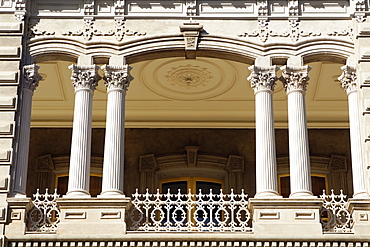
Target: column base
point(286, 216)
point(360, 211)
point(112, 194)
point(77, 194)
point(268, 194)
point(18, 208)
point(302, 194)
point(98, 216)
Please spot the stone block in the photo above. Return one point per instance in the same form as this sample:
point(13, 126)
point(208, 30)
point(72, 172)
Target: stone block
point(91, 216)
point(298, 216)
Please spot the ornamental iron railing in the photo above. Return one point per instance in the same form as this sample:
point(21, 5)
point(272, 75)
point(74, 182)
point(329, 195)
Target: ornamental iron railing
point(335, 216)
point(44, 215)
point(190, 212)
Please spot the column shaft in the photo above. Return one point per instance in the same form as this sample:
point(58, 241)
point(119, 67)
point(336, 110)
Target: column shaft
point(84, 79)
point(300, 171)
point(263, 82)
point(295, 81)
point(32, 79)
point(117, 81)
point(348, 80)
point(79, 170)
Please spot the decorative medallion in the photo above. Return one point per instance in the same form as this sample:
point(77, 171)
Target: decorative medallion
point(180, 79)
point(189, 76)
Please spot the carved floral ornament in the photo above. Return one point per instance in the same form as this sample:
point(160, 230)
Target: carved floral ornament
point(295, 78)
point(263, 78)
point(32, 76)
point(294, 32)
point(189, 76)
point(117, 77)
point(348, 79)
point(84, 77)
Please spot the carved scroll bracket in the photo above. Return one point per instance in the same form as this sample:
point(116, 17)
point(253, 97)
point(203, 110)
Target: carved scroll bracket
point(191, 33)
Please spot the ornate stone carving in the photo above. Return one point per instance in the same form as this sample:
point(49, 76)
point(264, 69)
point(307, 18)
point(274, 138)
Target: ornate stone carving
point(119, 25)
point(119, 8)
point(348, 79)
point(262, 78)
point(189, 76)
point(20, 10)
point(117, 77)
point(89, 7)
point(45, 163)
point(338, 163)
point(191, 152)
point(345, 32)
point(262, 8)
point(147, 163)
point(88, 30)
point(235, 163)
point(263, 29)
point(191, 8)
point(293, 7)
point(295, 78)
point(191, 33)
point(84, 77)
point(32, 76)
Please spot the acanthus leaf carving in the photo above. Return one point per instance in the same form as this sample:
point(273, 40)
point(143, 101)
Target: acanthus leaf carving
point(262, 78)
point(84, 77)
point(117, 77)
point(32, 76)
point(348, 79)
point(295, 78)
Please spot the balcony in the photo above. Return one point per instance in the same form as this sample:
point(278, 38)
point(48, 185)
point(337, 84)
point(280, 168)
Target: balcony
point(178, 212)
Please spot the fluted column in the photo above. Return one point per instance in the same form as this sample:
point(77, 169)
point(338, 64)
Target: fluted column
point(117, 80)
point(295, 82)
point(84, 79)
point(263, 82)
point(32, 78)
point(348, 81)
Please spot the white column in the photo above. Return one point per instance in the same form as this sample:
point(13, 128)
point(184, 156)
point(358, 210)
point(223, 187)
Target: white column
point(84, 79)
point(263, 82)
point(32, 78)
point(295, 82)
point(117, 80)
point(348, 80)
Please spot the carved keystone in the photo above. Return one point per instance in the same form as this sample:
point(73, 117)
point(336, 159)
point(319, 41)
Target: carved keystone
point(191, 35)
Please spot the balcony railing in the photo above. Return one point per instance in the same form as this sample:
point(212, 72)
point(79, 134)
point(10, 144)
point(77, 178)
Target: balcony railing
point(44, 215)
point(334, 215)
point(190, 212)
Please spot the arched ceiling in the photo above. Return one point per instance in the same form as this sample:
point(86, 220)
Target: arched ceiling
point(189, 93)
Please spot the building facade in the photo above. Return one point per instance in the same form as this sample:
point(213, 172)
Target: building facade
point(184, 123)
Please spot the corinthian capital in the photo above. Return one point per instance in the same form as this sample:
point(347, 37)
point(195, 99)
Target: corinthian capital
point(84, 77)
point(348, 79)
point(117, 77)
point(32, 76)
point(262, 78)
point(295, 78)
